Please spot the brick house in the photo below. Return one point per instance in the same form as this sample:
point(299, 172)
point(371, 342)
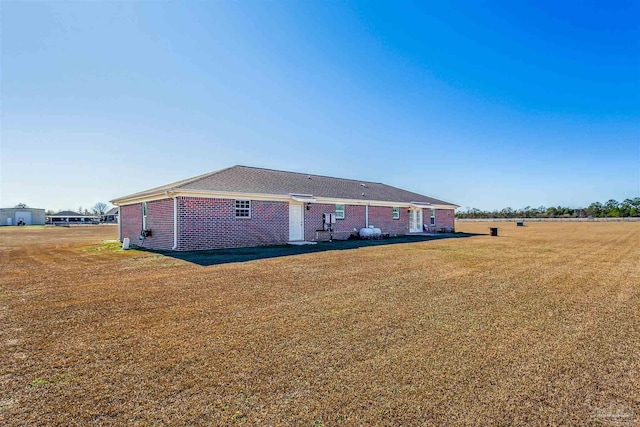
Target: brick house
point(245, 206)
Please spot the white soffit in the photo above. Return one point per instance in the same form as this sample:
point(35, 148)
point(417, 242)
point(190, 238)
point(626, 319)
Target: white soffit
point(421, 205)
point(306, 198)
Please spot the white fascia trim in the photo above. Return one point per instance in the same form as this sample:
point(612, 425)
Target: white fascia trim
point(203, 194)
point(233, 195)
point(432, 206)
point(329, 200)
point(304, 199)
point(336, 201)
point(151, 198)
point(270, 197)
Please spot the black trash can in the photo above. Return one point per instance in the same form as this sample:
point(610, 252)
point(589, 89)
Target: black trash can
point(494, 231)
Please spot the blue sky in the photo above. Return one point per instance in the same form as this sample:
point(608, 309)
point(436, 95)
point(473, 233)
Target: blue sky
point(483, 104)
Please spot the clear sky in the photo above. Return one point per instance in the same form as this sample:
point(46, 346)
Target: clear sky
point(483, 104)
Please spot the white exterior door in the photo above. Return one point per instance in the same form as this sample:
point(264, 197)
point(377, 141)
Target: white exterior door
point(415, 220)
point(295, 222)
point(24, 216)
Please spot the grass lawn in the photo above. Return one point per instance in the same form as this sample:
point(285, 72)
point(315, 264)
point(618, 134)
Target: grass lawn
point(539, 326)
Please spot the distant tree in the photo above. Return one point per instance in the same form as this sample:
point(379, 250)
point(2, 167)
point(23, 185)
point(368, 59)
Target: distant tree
point(595, 209)
point(506, 212)
point(21, 206)
point(612, 208)
point(49, 212)
point(634, 206)
point(99, 208)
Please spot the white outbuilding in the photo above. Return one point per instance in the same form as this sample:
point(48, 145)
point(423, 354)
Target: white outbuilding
point(21, 216)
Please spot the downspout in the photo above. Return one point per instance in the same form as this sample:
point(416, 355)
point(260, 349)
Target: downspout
point(119, 223)
point(175, 219)
point(366, 215)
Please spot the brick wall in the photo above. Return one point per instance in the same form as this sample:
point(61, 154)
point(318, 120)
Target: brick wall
point(444, 219)
point(211, 224)
point(131, 219)
point(159, 221)
point(354, 217)
point(381, 217)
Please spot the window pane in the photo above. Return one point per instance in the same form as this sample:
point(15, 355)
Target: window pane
point(243, 208)
point(340, 211)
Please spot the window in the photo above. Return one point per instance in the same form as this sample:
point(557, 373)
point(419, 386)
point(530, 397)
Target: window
point(144, 215)
point(433, 217)
point(339, 211)
point(243, 208)
point(395, 213)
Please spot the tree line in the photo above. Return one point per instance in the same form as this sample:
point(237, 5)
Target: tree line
point(610, 209)
point(98, 209)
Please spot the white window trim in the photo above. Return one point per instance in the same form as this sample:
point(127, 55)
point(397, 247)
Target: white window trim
point(343, 211)
point(395, 212)
point(433, 217)
point(236, 209)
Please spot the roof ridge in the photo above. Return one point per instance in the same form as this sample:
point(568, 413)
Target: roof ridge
point(260, 180)
point(310, 174)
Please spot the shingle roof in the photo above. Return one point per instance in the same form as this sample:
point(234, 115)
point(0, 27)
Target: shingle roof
point(112, 211)
point(67, 213)
point(245, 179)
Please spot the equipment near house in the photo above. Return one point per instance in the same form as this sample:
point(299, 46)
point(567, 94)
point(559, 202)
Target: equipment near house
point(370, 232)
point(328, 219)
point(125, 243)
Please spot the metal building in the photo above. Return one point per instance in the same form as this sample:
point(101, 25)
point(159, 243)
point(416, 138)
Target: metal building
point(21, 216)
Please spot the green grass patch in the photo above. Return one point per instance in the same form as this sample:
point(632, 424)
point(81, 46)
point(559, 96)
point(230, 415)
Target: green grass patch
point(105, 246)
point(50, 380)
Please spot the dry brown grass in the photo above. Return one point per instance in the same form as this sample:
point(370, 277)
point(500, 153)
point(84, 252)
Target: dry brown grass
point(540, 326)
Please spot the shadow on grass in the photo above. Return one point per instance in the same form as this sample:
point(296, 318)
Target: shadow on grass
point(225, 256)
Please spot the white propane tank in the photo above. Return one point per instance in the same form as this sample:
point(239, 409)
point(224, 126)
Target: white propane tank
point(370, 232)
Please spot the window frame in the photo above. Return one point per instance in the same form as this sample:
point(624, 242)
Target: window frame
point(241, 208)
point(395, 212)
point(342, 211)
point(433, 217)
